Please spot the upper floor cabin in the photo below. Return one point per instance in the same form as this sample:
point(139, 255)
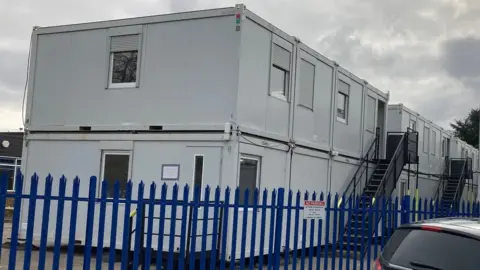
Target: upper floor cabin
point(197, 71)
point(435, 143)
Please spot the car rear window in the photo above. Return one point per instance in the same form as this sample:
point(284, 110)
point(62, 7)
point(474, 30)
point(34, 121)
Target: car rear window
point(440, 250)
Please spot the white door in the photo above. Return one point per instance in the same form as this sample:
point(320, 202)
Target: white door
point(206, 164)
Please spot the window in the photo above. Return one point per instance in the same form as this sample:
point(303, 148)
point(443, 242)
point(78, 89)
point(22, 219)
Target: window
point(123, 61)
point(412, 125)
point(444, 146)
point(307, 81)
point(198, 173)
point(249, 178)
point(116, 167)
point(342, 101)
point(434, 142)
point(280, 72)
point(371, 105)
point(426, 139)
point(9, 173)
point(439, 250)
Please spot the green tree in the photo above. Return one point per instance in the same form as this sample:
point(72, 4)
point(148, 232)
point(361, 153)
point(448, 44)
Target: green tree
point(467, 129)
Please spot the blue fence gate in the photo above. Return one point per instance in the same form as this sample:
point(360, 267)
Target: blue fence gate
point(61, 223)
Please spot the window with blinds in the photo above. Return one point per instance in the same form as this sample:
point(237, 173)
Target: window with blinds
point(124, 60)
point(280, 72)
point(342, 101)
point(307, 82)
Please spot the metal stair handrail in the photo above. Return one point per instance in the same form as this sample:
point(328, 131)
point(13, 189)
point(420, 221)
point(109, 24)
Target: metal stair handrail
point(461, 180)
point(392, 164)
point(374, 146)
point(443, 179)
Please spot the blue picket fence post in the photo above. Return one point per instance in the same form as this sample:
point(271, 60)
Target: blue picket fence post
point(89, 225)
point(59, 225)
point(15, 221)
point(151, 209)
point(161, 230)
point(45, 219)
point(183, 226)
point(126, 226)
point(206, 205)
point(113, 231)
point(279, 227)
point(101, 224)
point(31, 220)
point(73, 222)
point(139, 221)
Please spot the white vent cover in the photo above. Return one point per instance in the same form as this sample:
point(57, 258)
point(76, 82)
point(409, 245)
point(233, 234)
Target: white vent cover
point(5, 144)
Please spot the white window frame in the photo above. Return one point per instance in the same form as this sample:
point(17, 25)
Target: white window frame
point(374, 113)
point(258, 177)
point(193, 176)
point(112, 85)
point(444, 146)
point(286, 82)
point(414, 124)
point(282, 43)
point(16, 166)
point(346, 103)
point(102, 168)
point(109, 56)
point(434, 142)
point(425, 128)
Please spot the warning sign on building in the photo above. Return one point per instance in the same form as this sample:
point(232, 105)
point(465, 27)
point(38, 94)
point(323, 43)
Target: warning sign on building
point(314, 210)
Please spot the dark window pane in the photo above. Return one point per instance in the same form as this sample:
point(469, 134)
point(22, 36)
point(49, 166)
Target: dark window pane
point(124, 67)
point(9, 172)
point(198, 172)
point(116, 168)
point(441, 250)
point(11, 180)
point(248, 178)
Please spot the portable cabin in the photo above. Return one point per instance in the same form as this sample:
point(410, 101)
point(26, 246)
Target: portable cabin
point(216, 97)
point(439, 150)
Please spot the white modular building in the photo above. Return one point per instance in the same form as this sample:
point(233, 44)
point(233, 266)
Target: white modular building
point(216, 97)
point(437, 149)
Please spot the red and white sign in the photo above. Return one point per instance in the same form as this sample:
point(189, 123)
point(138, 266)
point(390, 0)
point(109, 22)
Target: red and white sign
point(314, 210)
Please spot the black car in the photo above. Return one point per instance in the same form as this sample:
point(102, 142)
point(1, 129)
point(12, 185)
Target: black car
point(436, 244)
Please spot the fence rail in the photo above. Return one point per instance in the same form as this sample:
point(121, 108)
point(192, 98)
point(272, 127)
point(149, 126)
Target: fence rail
point(155, 227)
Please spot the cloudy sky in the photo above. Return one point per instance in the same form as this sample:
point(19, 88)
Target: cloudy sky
point(425, 52)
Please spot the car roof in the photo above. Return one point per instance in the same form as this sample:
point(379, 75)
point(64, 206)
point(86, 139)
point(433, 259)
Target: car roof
point(466, 225)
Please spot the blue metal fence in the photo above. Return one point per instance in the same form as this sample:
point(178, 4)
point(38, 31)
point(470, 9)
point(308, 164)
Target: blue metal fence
point(163, 227)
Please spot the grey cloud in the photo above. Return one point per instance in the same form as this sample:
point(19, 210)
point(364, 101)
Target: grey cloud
point(462, 57)
point(13, 69)
point(182, 5)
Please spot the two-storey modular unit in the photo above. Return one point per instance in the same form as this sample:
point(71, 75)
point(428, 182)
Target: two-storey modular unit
point(216, 97)
point(437, 149)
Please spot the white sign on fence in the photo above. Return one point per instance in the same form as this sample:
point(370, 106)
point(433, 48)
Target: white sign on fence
point(314, 210)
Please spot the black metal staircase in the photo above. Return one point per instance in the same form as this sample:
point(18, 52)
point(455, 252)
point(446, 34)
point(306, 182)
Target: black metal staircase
point(402, 149)
point(452, 183)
